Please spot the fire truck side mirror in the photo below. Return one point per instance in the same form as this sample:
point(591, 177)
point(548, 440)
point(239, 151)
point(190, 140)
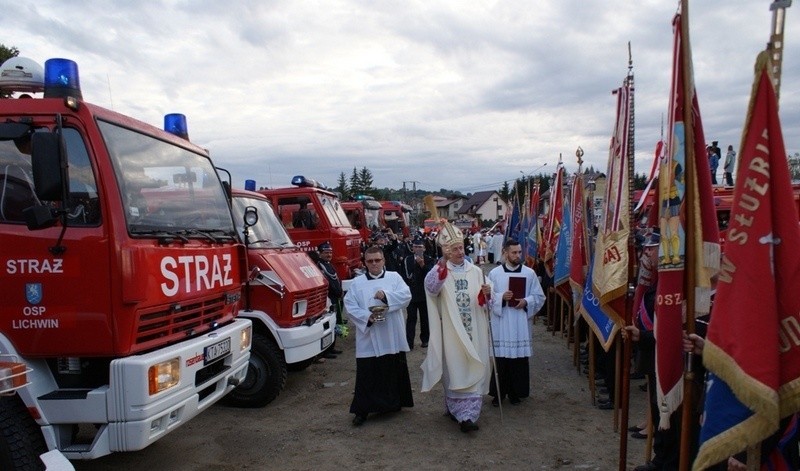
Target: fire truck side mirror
point(46, 163)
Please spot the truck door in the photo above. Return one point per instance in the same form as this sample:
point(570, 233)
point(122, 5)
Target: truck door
point(48, 287)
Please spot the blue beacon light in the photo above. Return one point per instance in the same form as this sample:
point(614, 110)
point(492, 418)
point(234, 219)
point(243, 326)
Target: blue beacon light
point(175, 123)
point(61, 79)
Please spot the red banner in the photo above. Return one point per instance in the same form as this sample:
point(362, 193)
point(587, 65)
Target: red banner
point(753, 341)
point(553, 225)
point(684, 161)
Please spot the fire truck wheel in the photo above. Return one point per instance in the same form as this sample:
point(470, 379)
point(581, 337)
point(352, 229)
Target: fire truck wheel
point(266, 375)
point(21, 441)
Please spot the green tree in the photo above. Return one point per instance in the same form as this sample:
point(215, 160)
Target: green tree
point(355, 183)
point(794, 165)
point(342, 188)
point(365, 181)
point(505, 191)
point(5, 54)
point(639, 181)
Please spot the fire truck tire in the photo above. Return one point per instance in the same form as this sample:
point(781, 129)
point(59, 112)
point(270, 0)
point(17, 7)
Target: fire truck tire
point(266, 375)
point(21, 440)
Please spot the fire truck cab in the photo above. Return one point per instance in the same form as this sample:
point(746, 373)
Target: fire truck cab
point(313, 215)
point(364, 214)
point(119, 311)
point(286, 298)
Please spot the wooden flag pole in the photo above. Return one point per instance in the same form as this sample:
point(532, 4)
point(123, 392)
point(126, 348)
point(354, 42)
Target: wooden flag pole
point(624, 392)
point(689, 261)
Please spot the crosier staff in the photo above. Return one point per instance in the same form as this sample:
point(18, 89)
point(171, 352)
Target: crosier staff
point(488, 310)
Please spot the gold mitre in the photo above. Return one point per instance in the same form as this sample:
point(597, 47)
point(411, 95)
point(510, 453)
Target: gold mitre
point(449, 234)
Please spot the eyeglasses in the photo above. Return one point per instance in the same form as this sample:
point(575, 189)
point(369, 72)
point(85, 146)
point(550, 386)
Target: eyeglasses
point(373, 260)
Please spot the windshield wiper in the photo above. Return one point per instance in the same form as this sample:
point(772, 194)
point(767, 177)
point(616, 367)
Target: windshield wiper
point(164, 237)
point(214, 235)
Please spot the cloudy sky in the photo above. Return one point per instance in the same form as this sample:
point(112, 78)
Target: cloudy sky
point(455, 94)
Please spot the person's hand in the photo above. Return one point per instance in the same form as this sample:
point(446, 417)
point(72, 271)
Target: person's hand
point(380, 295)
point(631, 331)
point(693, 343)
point(420, 260)
point(521, 304)
point(736, 465)
point(507, 296)
point(487, 290)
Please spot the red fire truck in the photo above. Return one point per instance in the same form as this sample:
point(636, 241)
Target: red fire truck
point(286, 299)
point(396, 216)
point(313, 215)
point(364, 215)
point(119, 308)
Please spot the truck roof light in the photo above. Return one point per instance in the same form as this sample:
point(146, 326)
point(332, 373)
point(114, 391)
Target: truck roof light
point(61, 79)
point(175, 123)
point(20, 74)
point(300, 180)
point(250, 185)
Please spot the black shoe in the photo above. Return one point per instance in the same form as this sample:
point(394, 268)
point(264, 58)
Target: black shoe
point(359, 420)
point(639, 435)
point(452, 417)
point(335, 352)
point(514, 401)
point(328, 355)
point(605, 405)
point(649, 466)
point(468, 426)
point(496, 402)
point(635, 428)
point(424, 345)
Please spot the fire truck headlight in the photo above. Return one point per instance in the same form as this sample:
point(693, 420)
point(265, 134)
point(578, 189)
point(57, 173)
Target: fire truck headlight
point(164, 375)
point(299, 308)
point(246, 338)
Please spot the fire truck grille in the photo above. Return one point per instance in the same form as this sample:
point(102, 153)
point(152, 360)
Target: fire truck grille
point(317, 299)
point(158, 326)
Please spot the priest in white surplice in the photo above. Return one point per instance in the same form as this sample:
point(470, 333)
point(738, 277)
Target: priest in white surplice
point(511, 320)
point(458, 349)
point(382, 380)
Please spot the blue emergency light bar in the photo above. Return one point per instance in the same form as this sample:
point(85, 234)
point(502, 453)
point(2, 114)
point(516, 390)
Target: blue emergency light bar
point(175, 123)
point(300, 180)
point(61, 79)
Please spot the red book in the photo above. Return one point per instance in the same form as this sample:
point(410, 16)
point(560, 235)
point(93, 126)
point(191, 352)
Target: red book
point(517, 284)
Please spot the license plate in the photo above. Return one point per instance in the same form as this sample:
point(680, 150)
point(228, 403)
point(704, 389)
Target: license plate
point(216, 351)
point(326, 341)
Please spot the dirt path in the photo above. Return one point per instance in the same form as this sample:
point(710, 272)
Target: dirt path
point(308, 427)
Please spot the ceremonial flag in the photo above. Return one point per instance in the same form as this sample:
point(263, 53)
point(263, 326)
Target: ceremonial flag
point(512, 229)
point(682, 163)
point(601, 324)
point(579, 256)
point(534, 235)
point(610, 267)
point(753, 342)
point(563, 253)
point(554, 220)
point(646, 210)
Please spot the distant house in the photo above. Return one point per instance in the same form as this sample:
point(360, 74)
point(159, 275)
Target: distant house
point(449, 206)
point(483, 205)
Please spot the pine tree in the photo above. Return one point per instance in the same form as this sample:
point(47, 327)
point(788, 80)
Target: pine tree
point(355, 183)
point(341, 187)
point(365, 181)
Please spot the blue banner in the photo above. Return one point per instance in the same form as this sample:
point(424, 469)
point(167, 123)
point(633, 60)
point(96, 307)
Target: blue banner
point(603, 327)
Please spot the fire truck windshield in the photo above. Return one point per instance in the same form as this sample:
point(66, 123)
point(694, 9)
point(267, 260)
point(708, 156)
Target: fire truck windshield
point(268, 231)
point(164, 186)
point(333, 209)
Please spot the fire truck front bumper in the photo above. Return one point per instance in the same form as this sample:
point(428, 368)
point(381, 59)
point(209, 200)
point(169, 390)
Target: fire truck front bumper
point(307, 341)
point(152, 394)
